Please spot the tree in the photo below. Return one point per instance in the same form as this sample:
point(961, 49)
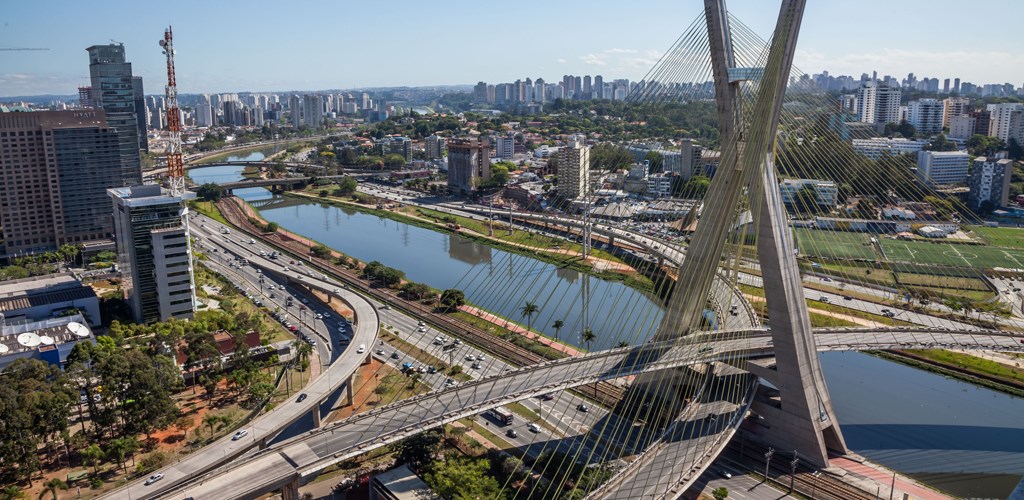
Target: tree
point(657, 161)
point(463, 479)
point(557, 325)
point(321, 251)
point(453, 299)
point(11, 493)
point(93, 454)
point(528, 310)
point(696, 187)
point(183, 424)
point(346, 186)
point(418, 450)
point(209, 192)
point(720, 493)
point(122, 448)
point(51, 487)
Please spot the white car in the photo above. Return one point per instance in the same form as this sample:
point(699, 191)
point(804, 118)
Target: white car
point(421, 329)
point(362, 349)
point(154, 478)
point(533, 427)
point(239, 435)
point(319, 316)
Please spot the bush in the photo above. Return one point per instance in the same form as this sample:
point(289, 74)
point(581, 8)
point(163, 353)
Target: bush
point(152, 462)
point(324, 193)
point(95, 483)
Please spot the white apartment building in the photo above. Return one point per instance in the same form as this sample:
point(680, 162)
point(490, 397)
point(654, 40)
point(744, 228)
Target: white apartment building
point(925, 115)
point(1006, 121)
point(962, 126)
point(573, 169)
point(943, 167)
point(878, 103)
point(954, 106)
point(827, 193)
point(875, 147)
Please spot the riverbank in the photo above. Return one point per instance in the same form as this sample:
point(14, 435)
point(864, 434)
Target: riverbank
point(989, 374)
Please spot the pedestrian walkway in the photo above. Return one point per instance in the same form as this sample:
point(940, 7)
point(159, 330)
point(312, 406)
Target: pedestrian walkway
point(867, 476)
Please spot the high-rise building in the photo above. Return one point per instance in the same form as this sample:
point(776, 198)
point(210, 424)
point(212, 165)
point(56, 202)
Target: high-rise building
point(989, 182)
point(954, 106)
point(1006, 121)
point(878, 103)
point(956, 85)
point(313, 110)
point(504, 147)
point(113, 90)
point(942, 167)
point(153, 252)
point(469, 164)
point(691, 153)
point(139, 96)
point(981, 120)
point(480, 92)
point(204, 112)
point(434, 146)
point(598, 87)
point(55, 168)
point(574, 169)
point(586, 87)
point(962, 126)
point(295, 110)
point(925, 115)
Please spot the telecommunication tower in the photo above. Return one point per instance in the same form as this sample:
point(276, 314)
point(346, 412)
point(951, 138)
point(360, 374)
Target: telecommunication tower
point(175, 162)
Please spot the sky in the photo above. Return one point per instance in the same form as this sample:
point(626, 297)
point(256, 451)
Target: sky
point(261, 46)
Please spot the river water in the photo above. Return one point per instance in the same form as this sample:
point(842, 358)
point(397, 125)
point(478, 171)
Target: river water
point(963, 439)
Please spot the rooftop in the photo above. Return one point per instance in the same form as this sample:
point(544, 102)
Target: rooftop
point(40, 334)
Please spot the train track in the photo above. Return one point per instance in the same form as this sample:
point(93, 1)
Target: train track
point(820, 487)
point(605, 393)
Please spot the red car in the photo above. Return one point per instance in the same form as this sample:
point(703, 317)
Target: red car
point(292, 328)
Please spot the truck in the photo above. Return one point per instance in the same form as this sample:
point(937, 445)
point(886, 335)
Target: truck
point(503, 415)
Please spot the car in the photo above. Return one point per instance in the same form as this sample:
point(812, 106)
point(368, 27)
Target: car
point(475, 366)
point(583, 407)
point(480, 357)
point(395, 355)
point(154, 478)
point(319, 316)
point(823, 299)
point(431, 369)
point(293, 328)
point(438, 341)
point(512, 433)
point(724, 473)
point(847, 297)
point(286, 269)
point(470, 357)
point(305, 300)
point(458, 342)
point(334, 291)
point(302, 397)
point(533, 427)
point(327, 314)
point(324, 277)
point(421, 329)
point(706, 349)
point(272, 295)
point(421, 323)
point(450, 383)
point(280, 287)
point(380, 352)
point(361, 349)
point(239, 435)
point(547, 396)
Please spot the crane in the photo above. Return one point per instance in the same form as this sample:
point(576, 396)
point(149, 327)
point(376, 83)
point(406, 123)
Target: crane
point(175, 163)
point(23, 48)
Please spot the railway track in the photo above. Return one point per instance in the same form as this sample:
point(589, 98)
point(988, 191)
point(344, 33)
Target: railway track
point(606, 393)
point(820, 487)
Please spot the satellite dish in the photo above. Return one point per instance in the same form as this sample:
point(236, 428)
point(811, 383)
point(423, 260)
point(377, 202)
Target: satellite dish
point(46, 340)
point(29, 339)
point(78, 329)
point(4, 349)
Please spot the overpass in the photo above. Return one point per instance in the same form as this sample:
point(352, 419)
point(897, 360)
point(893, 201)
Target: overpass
point(282, 466)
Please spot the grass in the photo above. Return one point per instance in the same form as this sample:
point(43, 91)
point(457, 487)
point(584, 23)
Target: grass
point(392, 339)
point(1007, 237)
point(210, 210)
point(270, 331)
point(834, 244)
point(931, 280)
point(947, 254)
point(395, 386)
point(517, 339)
point(487, 434)
point(974, 364)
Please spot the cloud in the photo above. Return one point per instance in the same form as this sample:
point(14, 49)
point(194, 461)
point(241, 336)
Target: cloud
point(621, 51)
point(978, 67)
point(561, 60)
point(594, 59)
point(27, 84)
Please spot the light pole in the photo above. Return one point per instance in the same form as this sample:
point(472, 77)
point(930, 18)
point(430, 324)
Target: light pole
point(792, 470)
point(814, 486)
point(767, 461)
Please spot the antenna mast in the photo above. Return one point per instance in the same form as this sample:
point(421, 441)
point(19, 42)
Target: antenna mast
point(175, 163)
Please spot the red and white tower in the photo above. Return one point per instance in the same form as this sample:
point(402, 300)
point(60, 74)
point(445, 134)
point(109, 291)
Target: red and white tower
point(175, 162)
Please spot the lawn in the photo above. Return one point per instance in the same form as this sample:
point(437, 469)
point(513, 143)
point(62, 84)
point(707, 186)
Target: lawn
point(834, 245)
point(1009, 237)
point(947, 254)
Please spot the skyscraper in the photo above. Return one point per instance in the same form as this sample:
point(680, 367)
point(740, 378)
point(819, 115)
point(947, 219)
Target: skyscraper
point(295, 110)
point(878, 103)
point(312, 110)
point(153, 252)
point(114, 91)
point(55, 168)
point(574, 169)
point(139, 96)
point(1006, 121)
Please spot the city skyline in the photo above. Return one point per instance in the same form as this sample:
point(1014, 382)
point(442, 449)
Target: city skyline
point(225, 49)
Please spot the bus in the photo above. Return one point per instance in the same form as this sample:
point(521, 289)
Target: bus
point(503, 415)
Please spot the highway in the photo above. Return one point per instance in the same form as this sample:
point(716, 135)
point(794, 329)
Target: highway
point(284, 463)
point(265, 427)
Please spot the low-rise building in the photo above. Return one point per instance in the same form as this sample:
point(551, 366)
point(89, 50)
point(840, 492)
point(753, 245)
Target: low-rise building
point(400, 483)
point(49, 340)
point(43, 297)
point(826, 193)
point(942, 167)
point(875, 147)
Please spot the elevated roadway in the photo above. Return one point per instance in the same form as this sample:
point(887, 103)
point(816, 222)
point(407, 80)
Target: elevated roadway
point(282, 466)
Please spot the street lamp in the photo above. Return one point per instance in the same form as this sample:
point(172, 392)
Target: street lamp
point(767, 461)
point(814, 486)
point(792, 470)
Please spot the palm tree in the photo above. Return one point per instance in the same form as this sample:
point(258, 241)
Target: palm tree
point(303, 352)
point(51, 488)
point(588, 337)
point(557, 325)
point(93, 454)
point(622, 343)
point(11, 493)
point(528, 310)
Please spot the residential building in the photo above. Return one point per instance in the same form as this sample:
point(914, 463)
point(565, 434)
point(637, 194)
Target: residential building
point(660, 185)
point(504, 147)
point(394, 145)
point(55, 168)
point(962, 126)
point(942, 167)
point(690, 154)
point(313, 110)
point(295, 110)
point(113, 90)
point(878, 103)
point(875, 147)
point(469, 164)
point(1007, 121)
point(826, 192)
point(925, 115)
point(204, 112)
point(154, 252)
point(574, 169)
point(434, 146)
point(954, 106)
point(982, 120)
point(990, 183)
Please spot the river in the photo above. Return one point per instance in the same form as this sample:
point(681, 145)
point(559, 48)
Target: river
point(963, 439)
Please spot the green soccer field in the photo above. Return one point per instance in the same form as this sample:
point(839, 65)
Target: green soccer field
point(1010, 237)
point(834, 244)
point(947, 254)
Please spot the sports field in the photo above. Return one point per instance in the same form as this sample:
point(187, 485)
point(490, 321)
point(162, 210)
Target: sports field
point(1009, 237)
point(834, 244)
point(946, 254)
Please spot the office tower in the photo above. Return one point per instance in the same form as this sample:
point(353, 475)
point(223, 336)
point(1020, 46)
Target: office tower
point(945, 86)
point(204, 112)
point(954, 106)
point(85, 97)
point(469, 164)
point(925, 115)
point(139, 96)
point(586, 87)
point(434, 146)
point(691, 159)
point(599, 87)
point(574, 169)
point(55, 168)
point(878, 103)
point(113, 90)
point(1006, 121)
point(942, 167)
point(990, 183)
point(577, 87)
point(295, 110)
point(962, 126)
point(312, 110)
point(154, 252)
point(956, 85)
point(257, 116)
